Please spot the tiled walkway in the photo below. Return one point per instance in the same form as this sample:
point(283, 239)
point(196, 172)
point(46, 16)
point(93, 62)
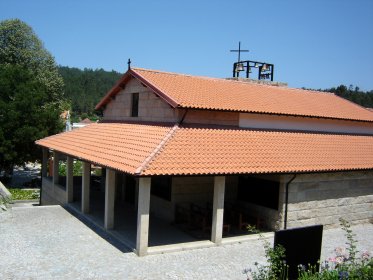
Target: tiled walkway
point(49, 243)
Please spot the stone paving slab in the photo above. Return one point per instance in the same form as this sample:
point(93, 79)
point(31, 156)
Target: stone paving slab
point(49, 243)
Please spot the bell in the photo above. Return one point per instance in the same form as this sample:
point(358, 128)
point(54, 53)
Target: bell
point(239, 67)
point(250, 70)
point(264, 67)
point(256, 65)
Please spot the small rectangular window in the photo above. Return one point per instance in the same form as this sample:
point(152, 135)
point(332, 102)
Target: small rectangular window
point(135, 105)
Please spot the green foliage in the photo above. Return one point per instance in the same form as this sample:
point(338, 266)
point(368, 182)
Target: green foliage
point(27, 113)
point(252, 229)
point(354, 94)
point(351, 242)
point(345, 265)
point(19, 45)
point(85, 88)
point(21, 194)
point(276, 268)
point(31, 94)
point(77, 168)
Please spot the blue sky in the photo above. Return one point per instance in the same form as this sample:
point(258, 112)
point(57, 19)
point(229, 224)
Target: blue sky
point(314, 44)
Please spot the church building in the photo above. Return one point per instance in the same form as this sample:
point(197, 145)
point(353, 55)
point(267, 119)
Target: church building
point(202, 158)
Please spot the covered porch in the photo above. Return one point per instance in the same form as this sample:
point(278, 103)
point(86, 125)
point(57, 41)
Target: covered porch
point(200, 163)
point(121, 204)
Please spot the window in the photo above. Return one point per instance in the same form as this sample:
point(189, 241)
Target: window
point(259, 191)
point(161, 187)
point(135, 105)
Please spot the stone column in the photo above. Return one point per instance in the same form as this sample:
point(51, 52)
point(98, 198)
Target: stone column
point(218, 210)
point(56, 158)
point(44, 164)
point(143, 216)
point(69, 179)
point(109, 198)
point(86, 182)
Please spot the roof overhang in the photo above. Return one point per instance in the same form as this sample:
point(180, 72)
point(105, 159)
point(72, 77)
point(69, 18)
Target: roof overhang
point(153, 150)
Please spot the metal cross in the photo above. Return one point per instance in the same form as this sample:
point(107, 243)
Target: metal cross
point(239, 51)
point(129, 63)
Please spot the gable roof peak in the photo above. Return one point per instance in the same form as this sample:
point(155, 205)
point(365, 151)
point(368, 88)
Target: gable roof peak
point(206, 93)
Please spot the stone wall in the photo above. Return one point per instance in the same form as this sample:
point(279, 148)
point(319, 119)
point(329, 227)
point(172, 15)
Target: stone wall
point(271, 218)
point(52, 194)
point(324, 198)
point(151, 107)
point(186, 190)
point(154, 109)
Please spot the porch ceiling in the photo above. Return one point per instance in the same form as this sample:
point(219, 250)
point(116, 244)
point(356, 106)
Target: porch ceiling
point(147, 150)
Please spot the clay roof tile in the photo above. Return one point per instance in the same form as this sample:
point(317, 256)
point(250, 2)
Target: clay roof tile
point(148, 150)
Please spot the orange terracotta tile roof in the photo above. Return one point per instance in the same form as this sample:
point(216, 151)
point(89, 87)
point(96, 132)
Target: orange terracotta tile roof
point(186, 91)
point(147, 150)
point(122, 147)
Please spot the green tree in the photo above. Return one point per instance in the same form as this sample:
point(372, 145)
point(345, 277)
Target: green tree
point(31, 94)
point(85, 88)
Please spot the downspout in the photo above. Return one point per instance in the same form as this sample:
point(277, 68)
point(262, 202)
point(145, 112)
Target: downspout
point(287, 200)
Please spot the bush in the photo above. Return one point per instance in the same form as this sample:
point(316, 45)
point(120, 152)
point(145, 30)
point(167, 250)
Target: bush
point(77, 168)
point(277, 269)
point(20, 194)
point(346, 264)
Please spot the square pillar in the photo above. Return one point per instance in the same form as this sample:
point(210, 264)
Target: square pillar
point(143, 217)
point(218, 210)
point(69, 179)
point(109, 198)
point(56, 158)
point(86, 182)
point(44, 163)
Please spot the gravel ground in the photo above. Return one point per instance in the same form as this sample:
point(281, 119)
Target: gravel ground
point(49, 243)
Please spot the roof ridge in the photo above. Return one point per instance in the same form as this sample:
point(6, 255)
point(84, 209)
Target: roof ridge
point(232, 81)
point(164, 72)
point(157, 149)
point(181, 74)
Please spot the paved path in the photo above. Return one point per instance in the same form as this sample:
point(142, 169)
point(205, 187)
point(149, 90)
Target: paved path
point(49, 243)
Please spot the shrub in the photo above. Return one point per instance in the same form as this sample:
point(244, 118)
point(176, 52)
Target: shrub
point(346, 264)
point(276, 269)
point(77, 168)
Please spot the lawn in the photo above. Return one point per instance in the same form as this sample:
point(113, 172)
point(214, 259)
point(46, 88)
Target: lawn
point(24, 194)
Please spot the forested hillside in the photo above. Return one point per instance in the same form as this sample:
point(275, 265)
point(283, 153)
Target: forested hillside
point(85, 88)
point(364, 98)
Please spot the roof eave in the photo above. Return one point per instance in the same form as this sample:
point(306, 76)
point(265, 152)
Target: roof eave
point(114, 90)
point(173, 103)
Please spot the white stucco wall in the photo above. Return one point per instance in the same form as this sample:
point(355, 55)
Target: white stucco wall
point(263, 121)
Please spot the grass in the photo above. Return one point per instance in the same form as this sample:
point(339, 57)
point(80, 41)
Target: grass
point(24, 194)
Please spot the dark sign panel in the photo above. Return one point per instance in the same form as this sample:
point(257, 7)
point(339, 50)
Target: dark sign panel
point(302, 247)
